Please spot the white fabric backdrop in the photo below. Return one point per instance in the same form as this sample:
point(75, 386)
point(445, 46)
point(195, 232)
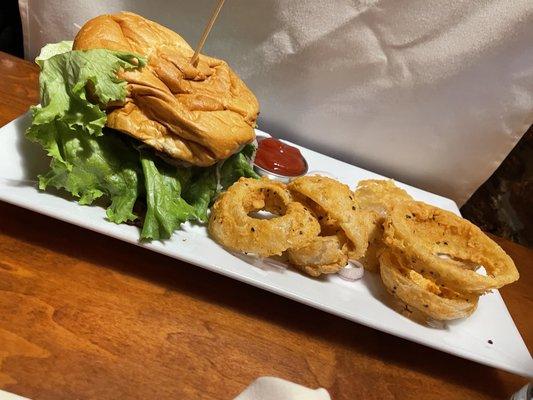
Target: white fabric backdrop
point(432, 93)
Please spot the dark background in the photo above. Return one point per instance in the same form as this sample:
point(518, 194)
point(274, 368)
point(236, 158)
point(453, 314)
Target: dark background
point(503, 205)
point(10, 28)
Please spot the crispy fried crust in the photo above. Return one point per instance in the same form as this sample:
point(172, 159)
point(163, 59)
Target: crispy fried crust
point(323, 255)
point(427, 257)
point(377, 195)
point(337, 200)
point(423, 294)
point(421, 233)
point(231, 225)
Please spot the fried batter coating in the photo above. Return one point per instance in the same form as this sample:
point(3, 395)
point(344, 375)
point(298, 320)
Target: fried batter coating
point(323, 255)
point(231, 225)
point(377, 195)
point(337, 200)
point(423, 294)
point(423, 233)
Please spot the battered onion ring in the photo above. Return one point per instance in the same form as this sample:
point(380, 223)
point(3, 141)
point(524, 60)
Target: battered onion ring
point(323, 255)
point(421, 233)
point(378, 195)
point(370, 260)
point(328, 225)
point(231, 226)
point(422, 294)
point(337, 200)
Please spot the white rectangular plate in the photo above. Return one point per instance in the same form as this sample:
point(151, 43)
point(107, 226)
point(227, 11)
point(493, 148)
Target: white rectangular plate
point(363, 301)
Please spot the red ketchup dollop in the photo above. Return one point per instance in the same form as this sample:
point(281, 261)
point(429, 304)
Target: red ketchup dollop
point(280, 158)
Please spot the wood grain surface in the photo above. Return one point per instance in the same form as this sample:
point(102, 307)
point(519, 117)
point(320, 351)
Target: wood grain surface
point(83, 316)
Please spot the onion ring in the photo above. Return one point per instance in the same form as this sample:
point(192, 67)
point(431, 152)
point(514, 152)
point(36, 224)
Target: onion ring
point(231, 226)
point(337, 200)
point(422, 233)
point(422, 294)
point(370, 260)
point(328, 225)
point(323, 255)
point(377, 195)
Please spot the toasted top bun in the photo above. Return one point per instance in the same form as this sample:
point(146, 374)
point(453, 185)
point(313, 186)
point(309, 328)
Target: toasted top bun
point(199, 114)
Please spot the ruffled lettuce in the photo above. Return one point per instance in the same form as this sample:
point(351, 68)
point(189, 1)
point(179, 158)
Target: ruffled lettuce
point(166, 210)
point(90, 167)
point(91, 162)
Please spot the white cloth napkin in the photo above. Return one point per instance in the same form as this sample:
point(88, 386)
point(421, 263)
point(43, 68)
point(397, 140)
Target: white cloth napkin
point(271, 388)
point(264, 388)
point(432, 93)
point(10, 396)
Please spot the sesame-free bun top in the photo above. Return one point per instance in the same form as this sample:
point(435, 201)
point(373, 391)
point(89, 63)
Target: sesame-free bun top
point(199, 115)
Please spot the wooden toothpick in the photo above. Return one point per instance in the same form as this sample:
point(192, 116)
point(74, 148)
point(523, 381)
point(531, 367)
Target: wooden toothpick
point(214, 15)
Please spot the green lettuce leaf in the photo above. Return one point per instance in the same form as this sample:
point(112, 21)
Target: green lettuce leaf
point(201, 191)
point(91, 162)
point(68, 126)
point(237, 166)
point(97, 166)
point(64, 81)
point(53, 49)
point(166, 210)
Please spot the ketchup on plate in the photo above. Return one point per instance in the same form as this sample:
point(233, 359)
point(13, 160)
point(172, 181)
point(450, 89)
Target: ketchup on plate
point(280, 158)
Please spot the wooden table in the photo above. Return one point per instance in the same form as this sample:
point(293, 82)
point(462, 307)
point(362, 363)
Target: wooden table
point(85, 316)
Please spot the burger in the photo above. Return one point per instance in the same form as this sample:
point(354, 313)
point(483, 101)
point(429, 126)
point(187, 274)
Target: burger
point(126, 118)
